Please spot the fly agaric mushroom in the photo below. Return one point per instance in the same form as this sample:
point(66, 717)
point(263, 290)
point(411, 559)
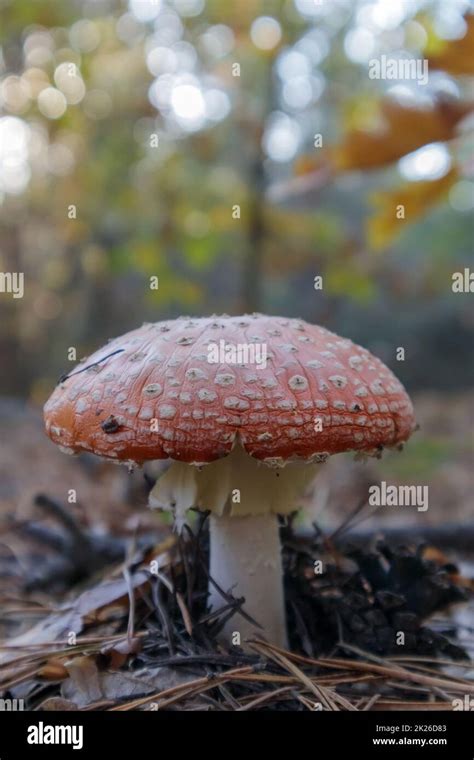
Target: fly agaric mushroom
point(246, 439)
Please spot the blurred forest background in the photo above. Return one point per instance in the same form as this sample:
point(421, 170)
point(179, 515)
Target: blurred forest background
point(136, 114)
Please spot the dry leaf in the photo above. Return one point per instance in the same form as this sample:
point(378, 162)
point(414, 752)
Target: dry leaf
point(455, 56)
point(83, 680)
point(416, 198)
point(399, 130)
point(88, 685)
point(56, 703)
point(91, 605)
point(53, 670)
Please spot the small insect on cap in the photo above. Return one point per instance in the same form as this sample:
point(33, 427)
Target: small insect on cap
point(187, 389)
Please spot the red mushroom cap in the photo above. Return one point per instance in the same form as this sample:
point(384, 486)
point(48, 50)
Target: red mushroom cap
point(154, 394)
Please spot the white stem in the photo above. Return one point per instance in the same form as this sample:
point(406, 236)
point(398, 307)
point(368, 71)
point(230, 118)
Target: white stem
point(245, 558)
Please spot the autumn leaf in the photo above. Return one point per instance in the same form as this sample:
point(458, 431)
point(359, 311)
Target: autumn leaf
point(398, 130)
point(412, 201)
point(455, 56)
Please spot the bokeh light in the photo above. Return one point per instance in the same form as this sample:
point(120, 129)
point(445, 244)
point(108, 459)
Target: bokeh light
point(388, 15)
point(217, 41)
point(449, 23)
point(38, 48)
point(168, 28)
point(14, 166)
point(52, 103)
point(265, 33)
point(314, 45)
point(217, 104)
point(282, 137)
point(291, 63)
point(298, 92)
point(430, 162)
point(189, 106)
point(84, 36)
point(69, 81)
point(189, 8)
point(161, 60)
point(36, 80)
point(311, 8)
point(145, 10)
point(359, 45)
point(128, 29)
point(15, 94)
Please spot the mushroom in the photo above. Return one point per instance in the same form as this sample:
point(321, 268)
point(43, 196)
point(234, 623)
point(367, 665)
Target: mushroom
point(245, 438)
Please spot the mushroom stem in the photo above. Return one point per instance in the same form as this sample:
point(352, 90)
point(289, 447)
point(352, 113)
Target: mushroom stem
point(245, 559)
